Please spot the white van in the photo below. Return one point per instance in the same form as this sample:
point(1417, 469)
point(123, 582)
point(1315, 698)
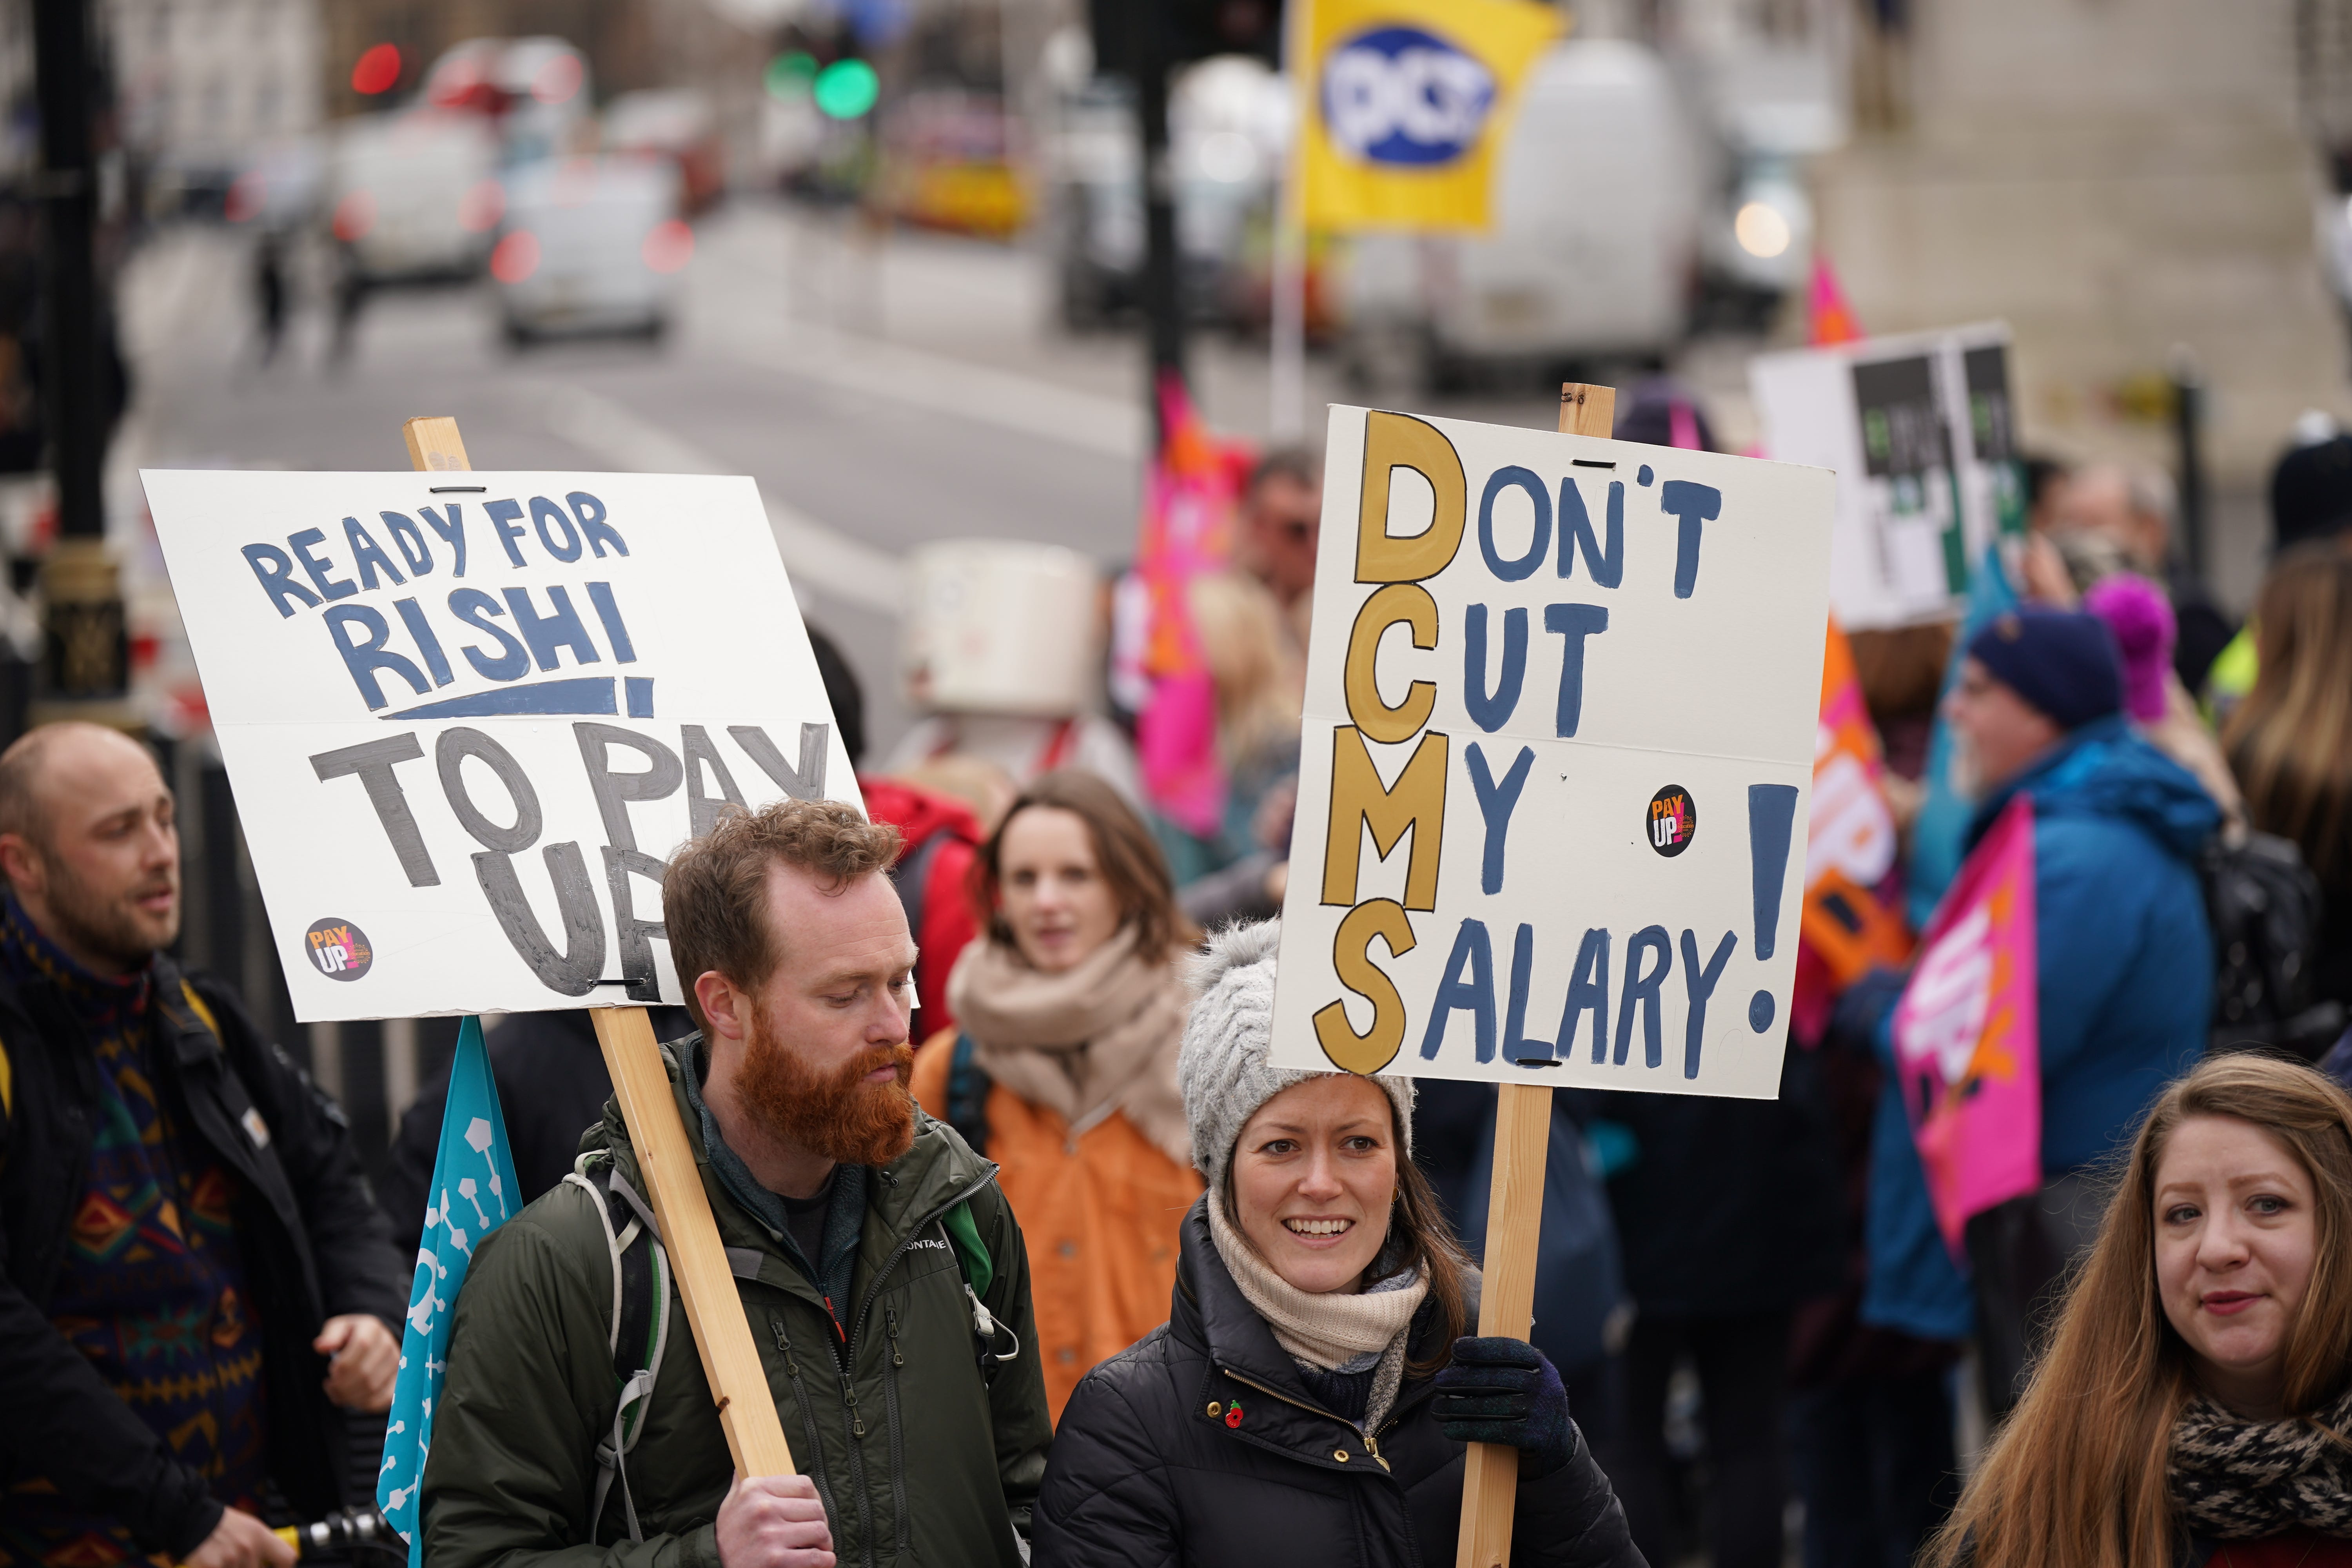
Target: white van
point(1598, 206)
point(589, 245)
point(406, 193)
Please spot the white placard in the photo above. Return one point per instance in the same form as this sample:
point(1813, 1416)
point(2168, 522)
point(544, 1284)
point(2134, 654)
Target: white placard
point(1572, 685)
point(468, 716)
point(1918, 429)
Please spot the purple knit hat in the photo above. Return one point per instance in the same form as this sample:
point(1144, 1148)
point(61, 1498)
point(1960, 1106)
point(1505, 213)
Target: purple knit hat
point(2135, 610)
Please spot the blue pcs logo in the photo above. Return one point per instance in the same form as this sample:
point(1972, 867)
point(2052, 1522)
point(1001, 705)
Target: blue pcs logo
point(1400, 95)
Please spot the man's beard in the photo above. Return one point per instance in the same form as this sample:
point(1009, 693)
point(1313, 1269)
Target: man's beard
point(114, 929)
point(835, 1115)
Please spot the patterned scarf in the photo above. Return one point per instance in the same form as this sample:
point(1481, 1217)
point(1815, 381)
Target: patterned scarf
point(2241, 1480)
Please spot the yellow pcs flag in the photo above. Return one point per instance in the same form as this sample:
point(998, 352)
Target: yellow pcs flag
point(1406, 103)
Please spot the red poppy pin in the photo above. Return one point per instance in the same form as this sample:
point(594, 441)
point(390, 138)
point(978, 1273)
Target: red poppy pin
point(1233, 1416)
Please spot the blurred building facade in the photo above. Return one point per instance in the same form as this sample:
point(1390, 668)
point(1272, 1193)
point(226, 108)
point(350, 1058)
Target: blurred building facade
point(202, 86)
point(2114, 178)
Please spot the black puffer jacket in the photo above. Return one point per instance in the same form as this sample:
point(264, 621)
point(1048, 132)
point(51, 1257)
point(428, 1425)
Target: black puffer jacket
point(1146, 1473)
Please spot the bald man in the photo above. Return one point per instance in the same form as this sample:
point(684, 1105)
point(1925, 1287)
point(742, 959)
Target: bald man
point(193, 1284)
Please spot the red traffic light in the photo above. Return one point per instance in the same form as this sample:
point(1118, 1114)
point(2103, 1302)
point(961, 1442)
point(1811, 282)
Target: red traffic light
point(377, 71)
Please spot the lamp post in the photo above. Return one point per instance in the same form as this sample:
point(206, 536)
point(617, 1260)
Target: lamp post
point(85, 668)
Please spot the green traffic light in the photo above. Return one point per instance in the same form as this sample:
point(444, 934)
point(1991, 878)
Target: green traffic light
point(846, 88)
point(790, 76)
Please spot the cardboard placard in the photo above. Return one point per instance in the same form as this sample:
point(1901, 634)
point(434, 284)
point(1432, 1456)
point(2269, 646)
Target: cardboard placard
point(1920, 432)
point(468, 716)
point(1562, 701)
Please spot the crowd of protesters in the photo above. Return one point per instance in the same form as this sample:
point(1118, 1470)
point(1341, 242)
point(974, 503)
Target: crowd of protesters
point(1215, 1300)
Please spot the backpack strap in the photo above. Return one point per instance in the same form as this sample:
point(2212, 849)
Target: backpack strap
point(639, 1334)
point(967, 1087)
point(196, 1005)
point(979, 1272)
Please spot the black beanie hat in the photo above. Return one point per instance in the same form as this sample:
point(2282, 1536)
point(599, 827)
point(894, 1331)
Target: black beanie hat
point(2062, 662)
point(2311, 491)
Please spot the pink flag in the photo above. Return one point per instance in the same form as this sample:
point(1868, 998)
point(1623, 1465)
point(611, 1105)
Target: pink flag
point(1966, 1033)
point(1190, 496)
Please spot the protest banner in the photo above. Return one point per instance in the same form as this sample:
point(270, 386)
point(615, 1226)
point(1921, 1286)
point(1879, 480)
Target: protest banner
point(1561, 706)
point(332, 671)
point(466, 722)
point(1967, 1034)
point(1406, 103)
point(1920, 430)
point(1853, 921)
point(1584, 797)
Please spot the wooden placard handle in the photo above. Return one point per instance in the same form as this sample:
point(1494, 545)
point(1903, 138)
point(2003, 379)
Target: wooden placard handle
point(1585, 410)
point(1490, 1472)
point(697, 1261)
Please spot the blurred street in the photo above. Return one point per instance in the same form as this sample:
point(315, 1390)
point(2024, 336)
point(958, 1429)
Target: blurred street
point(2061, 295)
point(883, 391)
point(957, 425)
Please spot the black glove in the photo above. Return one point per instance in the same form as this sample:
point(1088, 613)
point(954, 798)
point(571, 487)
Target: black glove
point(1506, 1392)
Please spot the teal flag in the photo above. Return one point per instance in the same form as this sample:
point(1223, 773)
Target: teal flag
point(473, 1194)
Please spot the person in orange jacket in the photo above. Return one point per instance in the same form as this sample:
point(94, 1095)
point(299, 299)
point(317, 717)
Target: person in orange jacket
point(1063, 1069)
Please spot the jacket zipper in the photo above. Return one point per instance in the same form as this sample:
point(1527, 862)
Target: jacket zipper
point(847, 1353)
point(808, 1416)
point(1371, 1445)
point(898, 1439)
point(848, 1364)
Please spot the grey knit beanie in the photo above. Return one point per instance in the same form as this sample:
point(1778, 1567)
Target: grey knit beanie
point(1223, 1069)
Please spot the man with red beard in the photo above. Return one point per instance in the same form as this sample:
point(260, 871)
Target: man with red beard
point(881, 1270)
point(194, 1285)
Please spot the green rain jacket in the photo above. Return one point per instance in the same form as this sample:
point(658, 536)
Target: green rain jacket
point(918, 1457)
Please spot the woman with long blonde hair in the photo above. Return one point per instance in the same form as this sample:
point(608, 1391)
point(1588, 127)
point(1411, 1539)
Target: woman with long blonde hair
point(2289, 741)
point(2192, 1408)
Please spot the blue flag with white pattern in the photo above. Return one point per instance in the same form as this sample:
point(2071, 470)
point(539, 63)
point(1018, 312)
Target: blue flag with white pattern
point(473, 1194)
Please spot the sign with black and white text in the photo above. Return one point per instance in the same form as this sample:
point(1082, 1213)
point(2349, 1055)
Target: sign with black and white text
point(1562, 701)
point(468, 716)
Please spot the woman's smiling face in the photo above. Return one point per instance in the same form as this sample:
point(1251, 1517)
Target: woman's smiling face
point(2236, 1234)
point(1315, 1177)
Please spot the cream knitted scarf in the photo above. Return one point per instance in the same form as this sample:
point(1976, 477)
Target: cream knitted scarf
point(1338, 1332)
point(1099, 1037)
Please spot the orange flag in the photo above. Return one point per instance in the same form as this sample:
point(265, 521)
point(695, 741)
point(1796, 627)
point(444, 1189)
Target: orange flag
point(1851, 920)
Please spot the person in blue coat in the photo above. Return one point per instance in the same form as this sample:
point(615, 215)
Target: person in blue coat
point(2124, 977)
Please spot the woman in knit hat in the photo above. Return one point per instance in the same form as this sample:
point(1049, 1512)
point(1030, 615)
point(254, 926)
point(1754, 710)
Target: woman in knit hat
point(1062, 1068)
point(1309, 1399)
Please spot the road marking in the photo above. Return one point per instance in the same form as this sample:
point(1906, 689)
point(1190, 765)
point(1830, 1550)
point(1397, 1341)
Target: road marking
point(822, 558)
point(939, 384)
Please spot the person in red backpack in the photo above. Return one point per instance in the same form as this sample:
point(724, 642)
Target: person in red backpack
point(940, 833)
point(932, 877)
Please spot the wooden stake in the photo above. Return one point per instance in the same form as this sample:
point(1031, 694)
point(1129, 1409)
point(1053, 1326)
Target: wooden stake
point(697, 1261)
point(1587, 410)
point(1490, 1471)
